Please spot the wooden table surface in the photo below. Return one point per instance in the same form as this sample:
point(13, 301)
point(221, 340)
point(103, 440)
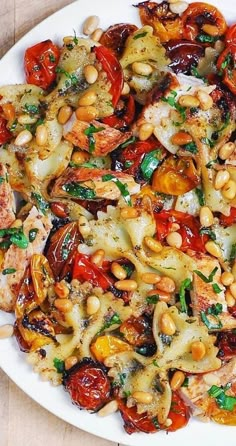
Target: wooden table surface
point(22, 421)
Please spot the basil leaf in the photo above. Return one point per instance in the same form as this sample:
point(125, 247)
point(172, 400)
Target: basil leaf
point(128, 142)
point(205, 38)
point(114, 320)
point(8, 271)
point(31, 109)
point(19, 239)
point(191, 147)
point(121, 186)
point(209, 232)
point(185, 285)
point(205, 278)
point(232, 256)
point(75, 190)
point(195, 72)
point(200, 196)
point(138, 36)
point(215, 309)
point(216, 288)
point(173, 103)
point(224, 401)
point(42, 204)
point(59, 365)
point(89, 132)
point(2, 179)
point(150, 163)
point(152, 299)
point(32, 234)
point(186, 382)
point(209, 324)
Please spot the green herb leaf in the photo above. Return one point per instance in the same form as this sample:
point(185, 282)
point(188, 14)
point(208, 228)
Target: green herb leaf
point(89, 132)
point(186, 382)
point(224, 401)
point(121, 186)
point(195, 72)
point(185, 285)
point(208, 142)
point(232, 256)
point(216, 288)
point(215, 309)
point(205, 278)
point(128, 164)
point(209, 324)
point(2, 179)
point(122, 378)
point(210, 163)
point(31, 109)
point(128, 142)
point(42, 204)
point(205, 38)
point(52, 58)
point(8, 271)
point(59, 365)
point(88, 165)
point(64, 249)
point(129, 270)
point(114, 320)
point(155, 363)
point(208, 232)
point(171, 100)
point(126, 393)
point(75, 190)
point(155, 422)
point(150, 162)
point(200, 196)
point(19, 239)
point(32, 234)
point(152, 299)
point(191, 147)
point(140, 35)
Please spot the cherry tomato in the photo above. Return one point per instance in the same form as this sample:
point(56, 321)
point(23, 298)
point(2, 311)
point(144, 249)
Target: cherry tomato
point(137, 331)
point(35, 330)
point(40, 63)
point(108, 345)
point(124, 115)
point(179, 413)
point(85, 270)
point(184, 55)
point(226, 342)
point(199, 14)
point(42, 276)
point(226, 66)
point(88, 385)
point(59, 209)
point(113, 69)
point(26, 299)
point(5, 134)
point(230, 36)
point(116, 35)
point(135, 422)
point(230, 219)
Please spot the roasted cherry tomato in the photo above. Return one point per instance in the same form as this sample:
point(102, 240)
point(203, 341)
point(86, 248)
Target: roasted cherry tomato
point(40, 63)
point(42, 276)
point(179, 413)
point(226, 417)
point(113, 69)
point(199, 14)
point(184, 55)
point(116, 35)
point(85, 270)
point(108, 345)
point(135, 422)
point(230, 219)
point(5, 134)
point(175, 176)
point(137, 331)
point(26, 299)
point(230, 36)
point(88, 385)
point(226, 66)
point(226, 342)
point(124, 114)
point(35, 330)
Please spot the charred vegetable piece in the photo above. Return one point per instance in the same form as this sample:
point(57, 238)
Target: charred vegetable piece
point(137, 331)
point(135, 422)
point(226, 343)
point(226, 66)
point(115, 36)
point(5, 134)
point(184, 55)
point(199, 14)
point(123, 115)
point(36, 330)
point(42, 276)
point(40, 63)
point(26, 299)
point(107, 345)
point(85, 270)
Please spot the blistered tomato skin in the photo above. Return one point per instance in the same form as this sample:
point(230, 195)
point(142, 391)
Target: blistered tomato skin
point(135, 422)
point(40, 63)
point(199, 14)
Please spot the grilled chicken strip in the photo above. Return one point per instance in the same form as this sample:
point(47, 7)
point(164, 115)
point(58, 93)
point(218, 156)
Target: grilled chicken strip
point(7, 200)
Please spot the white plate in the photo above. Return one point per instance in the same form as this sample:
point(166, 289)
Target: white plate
point(12, 361)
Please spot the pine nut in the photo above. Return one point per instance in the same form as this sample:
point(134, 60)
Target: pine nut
point(227, 278)
point(211, 379)
point(222, 177)
point(126, 89)
point(61, 289)
point(141, 68)
point(118, 271)
point(80, 157)
point(87, 99)
point(206, 101)
point(68, 40)
point(233, 289)
point(9, 111)
point(166, 284)
point(229, 190)
point(181, 138)
point(198, 350)
point(213, 249)
point(187, 100)
point(174, 227)
point(162, 296)
point(63, 305)
point(108, 409)
point(84, 226)
point(178, 7)
point(167, 325)
point(226, 150)
point(206, 217)
point(17, 223)
point(151, 278)
point(41, 135)
point(126, 285)
point(90, 24)
point(6, 331)
point(92, 305)
point(86, 113)
point(174, 239)
point(97, 257)
point(129, 212)
point(145, 131)
point(142, 397)
point(90, 74)
point(153, 244)
point(211, 30)
point(64, 114)
point(177, 380)
point(168, 422)
point(23, 138)
point(97, 34)
point(230, 300)
point(70, 362)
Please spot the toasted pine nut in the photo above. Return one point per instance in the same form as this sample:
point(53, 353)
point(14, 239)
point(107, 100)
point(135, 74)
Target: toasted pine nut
point(151, 278)
point(174, 227)
point(63, 305)
point(70, 362)
point(88, 98)
point(23, 138)
point(90, 24)
point(145, 131)
point(206, 217)
point(198, 350)
point(90, 74)
point(233, 289)
point(61, 289)
point(226, 150)
point(153, 244)
point(129, 212)
point(126, 285)
point(181, 138)
point(213, 249)
point(211, 30)
point(229, 190)
point(230, 300)
point(142, 397)
point(97, 34)
point(222, 177)
point(174, 239)
point(141, 68)
point(98, 257)
point(178, 7)
point(41, 135)
point(68, 39)
point(17, 223)
point(177, 380)
point(64, 114)
point(187, 100)
point(108, 409)
point(227, 278)
point(26, 119)
point(84, 226)
point(126, 89)
point(167, 325)
point(9, 111)
point(162, 296)
point(86, 113)
point(6, 331)
point(168, 422)
point(166, 284)
point(92, 305)
point(80, 157)
point(206, 101)
point(118, 271)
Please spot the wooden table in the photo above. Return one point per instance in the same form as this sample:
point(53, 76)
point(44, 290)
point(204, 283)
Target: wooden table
point(22, 421)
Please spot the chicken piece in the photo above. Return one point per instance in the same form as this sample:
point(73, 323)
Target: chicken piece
point(7, 200)
point(100, 140)
point(87, 183)
point(18, 259)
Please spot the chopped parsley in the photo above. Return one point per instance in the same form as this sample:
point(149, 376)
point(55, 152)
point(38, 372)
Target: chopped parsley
point(75, 190)
point(42, 204)
point(190, 147)
point(89, 132)
point(114, 320)
point(185, 285)
point(205, 38)
point(216, 288)
point(128, 142)
point(140, 35)
point(208, 142)
point(208, 232)
point(121, 186)
point(32, 234)
point(195, 72)
point(213, 311)
point(228, 61)
point(186, 382)
point(210, 163)
point(73, 80)
point(59, 365)
point(2, 179)
point(126, 393)
point(75, 38)
point(232, 256)
point(171, 100)
point(150, 162)
point(200, 196)
point(152, 299)
point(224, 401)
point(64, 249)
point(31, 109)
point(8, 271)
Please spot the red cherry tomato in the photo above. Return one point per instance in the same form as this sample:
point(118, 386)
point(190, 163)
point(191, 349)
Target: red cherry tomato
point(230, 219)
point(230, 36)
point(84, 270)
point(113, 69)
point(199, 14)
point(116, 35)
point(123, 115)
point(226, 65)
point(5, 134)
point(135, 422)
point(226, 342)
point(40, 63)
point(179, 413)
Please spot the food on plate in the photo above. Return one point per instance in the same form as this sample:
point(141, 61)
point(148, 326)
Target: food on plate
point(118, 216)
